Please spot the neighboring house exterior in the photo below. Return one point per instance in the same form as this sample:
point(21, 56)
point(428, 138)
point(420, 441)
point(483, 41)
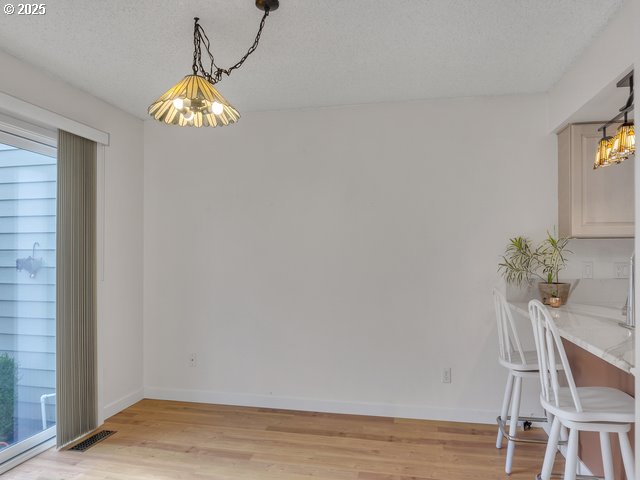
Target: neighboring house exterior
point(27, 302)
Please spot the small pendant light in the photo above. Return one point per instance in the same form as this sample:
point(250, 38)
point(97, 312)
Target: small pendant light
point(624, 143)
point(603, 153)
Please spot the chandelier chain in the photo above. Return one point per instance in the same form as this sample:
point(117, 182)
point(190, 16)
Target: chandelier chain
point(214, 73)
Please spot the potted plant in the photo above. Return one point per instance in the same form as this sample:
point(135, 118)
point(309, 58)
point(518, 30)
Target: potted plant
point(522, 262)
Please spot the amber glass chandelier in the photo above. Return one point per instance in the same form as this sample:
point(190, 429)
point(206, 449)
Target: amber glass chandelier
point(194, 101)
point(616, 149)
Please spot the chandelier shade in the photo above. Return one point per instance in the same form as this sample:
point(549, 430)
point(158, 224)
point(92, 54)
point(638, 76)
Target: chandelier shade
point(193, 101)
point(603, 153)
point(624, 143)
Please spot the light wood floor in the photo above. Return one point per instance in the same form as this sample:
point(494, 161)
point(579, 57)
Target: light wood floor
point(175, 440)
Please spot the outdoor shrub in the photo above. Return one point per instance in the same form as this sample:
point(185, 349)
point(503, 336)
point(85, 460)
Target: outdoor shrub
point(8, 380)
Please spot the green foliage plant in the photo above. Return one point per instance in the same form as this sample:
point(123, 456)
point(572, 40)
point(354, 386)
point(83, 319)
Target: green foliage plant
point(522, 262)
point(8, 381)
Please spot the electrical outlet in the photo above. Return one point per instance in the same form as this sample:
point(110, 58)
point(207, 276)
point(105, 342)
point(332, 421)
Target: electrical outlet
point(621, 269)
point(587, 269)
point(193, 360)
point(446, 375)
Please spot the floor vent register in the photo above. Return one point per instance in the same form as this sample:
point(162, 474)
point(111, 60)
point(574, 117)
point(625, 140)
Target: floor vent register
point(89, 442)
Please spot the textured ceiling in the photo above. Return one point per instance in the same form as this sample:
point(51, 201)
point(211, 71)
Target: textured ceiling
point(312, 53)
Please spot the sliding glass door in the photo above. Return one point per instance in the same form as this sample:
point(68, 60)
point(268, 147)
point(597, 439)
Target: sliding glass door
point(27, 292)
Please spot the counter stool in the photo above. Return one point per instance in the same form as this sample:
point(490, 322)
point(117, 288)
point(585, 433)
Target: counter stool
point(588, 409)
point(520, 364)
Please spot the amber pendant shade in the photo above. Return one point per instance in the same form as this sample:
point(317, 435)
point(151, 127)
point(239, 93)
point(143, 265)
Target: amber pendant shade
point(193, 102)
point(603, 153)
point(624, 143)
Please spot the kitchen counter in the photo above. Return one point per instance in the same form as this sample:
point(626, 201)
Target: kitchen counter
point(601, 353)
point(596, 329)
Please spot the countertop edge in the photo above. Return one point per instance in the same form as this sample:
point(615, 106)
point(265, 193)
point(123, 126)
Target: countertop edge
point(520, 308)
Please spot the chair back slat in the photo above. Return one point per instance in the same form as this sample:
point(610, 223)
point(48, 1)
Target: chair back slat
point(549, 347)
point(509, 344)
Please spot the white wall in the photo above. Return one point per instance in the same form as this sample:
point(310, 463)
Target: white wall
point(608, 56)
point(602, 252)
point(120, 293)
point(338, 259)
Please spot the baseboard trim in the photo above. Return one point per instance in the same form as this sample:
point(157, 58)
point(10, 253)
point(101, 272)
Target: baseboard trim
point(117, 406)
point(421, 412)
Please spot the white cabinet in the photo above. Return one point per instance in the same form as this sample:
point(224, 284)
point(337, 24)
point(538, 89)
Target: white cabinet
point(592, 203)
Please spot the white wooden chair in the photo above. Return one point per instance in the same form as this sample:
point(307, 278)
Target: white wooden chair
point(520, 364)
point(589, 409)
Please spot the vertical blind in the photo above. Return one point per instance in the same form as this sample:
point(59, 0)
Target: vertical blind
point(76, 288)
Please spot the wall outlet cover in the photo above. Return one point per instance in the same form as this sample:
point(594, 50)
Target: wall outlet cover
point(621, 269)
point(587, 269)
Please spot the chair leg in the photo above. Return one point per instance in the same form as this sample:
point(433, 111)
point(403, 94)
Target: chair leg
point(504, 411)
point(627, 455)
point(513, 424)
point(552, 447)
point(564, 434)
point(571, 461)
point(607, 459)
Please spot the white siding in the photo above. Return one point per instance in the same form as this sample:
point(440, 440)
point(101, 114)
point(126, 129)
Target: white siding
point(27, 305)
